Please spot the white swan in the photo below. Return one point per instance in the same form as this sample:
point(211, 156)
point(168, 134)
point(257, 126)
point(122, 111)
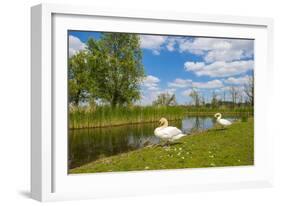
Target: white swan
point(167, 133)
point(222, 122)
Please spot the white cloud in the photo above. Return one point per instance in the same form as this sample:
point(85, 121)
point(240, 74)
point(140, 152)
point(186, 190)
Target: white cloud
point(148, 96)
point(180, 83)
point(218, 49)
point(219, 68)
point(187, 92)
point(170, 46)
point(212, 49)
point(223, 55)
point(150, 90)
point(75, 45)
point(194, 66)
point(208, 85)
point(170, 90)
point(237, 81)
point(152, 42)
point(188, 83)
point(172, 43)
point(150, 81)
point(196, 46)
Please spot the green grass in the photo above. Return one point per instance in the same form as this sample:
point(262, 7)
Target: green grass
point(233, 146)
point(103, 116)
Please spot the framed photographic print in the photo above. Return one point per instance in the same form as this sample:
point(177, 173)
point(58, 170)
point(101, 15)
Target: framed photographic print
point(134, 102)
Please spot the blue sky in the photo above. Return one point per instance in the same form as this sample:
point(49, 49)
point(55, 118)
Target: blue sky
point(178, 65)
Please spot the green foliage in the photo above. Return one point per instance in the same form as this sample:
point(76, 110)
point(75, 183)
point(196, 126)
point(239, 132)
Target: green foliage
point(244, 118)
point(78, 82)
point(101, 116)
point(233, 146)
point(110, 70)
point(120, 82)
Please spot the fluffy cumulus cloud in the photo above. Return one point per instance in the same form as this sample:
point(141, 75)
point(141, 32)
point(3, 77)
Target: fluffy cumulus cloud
point(151, 89)
point(187, 92)
point(153, 43)
point(75, 45)
point(180, 83)
point(208, 85)
point(211, 49)
point(219, 68)
point(151, 82)
point(220, 57)
point(237, 81)
point(218, 49)
point(157, 43)
point(188, 83)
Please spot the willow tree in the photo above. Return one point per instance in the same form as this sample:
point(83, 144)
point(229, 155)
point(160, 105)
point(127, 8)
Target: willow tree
point(116, 67)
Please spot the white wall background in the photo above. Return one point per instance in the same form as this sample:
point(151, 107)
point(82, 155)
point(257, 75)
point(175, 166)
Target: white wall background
point(15, 100)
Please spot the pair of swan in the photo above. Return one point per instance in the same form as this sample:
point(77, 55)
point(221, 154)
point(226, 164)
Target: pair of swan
point(169, 133)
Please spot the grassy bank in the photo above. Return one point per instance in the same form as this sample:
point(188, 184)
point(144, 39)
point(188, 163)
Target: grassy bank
point(108, 116)
point(233, 146)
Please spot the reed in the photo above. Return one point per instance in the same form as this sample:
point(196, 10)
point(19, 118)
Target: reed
point(104, 116)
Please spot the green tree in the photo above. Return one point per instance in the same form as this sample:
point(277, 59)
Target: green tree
point(165, 99)
point(116, 67)
point(78, 78)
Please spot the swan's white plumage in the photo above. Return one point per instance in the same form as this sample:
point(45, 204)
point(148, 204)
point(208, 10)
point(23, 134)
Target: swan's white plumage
point(167, 133)
point(223, 122)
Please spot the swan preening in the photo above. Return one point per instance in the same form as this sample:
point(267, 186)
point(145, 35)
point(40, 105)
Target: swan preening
point(222, 122)
point(166, 132)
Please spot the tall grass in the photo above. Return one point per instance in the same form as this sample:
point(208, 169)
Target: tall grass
point(102, 116)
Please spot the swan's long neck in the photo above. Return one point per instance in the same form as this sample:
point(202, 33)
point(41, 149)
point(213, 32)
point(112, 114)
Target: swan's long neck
point(165, 124)
point(219, 117)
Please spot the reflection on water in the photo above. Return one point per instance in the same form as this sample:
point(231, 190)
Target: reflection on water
point(86, 145)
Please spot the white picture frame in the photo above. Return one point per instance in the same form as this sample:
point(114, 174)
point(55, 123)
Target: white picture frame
point(49, 178)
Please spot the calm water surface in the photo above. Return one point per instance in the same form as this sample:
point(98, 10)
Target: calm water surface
point(86, 145)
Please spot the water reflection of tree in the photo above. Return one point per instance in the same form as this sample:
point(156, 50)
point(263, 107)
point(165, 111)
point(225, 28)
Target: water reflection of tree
point(87, 145)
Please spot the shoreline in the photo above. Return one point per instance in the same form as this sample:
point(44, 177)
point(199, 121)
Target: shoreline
point(214, 147)
point(193, 114)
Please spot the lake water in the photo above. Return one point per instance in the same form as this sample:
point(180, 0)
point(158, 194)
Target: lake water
point(86, 145)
